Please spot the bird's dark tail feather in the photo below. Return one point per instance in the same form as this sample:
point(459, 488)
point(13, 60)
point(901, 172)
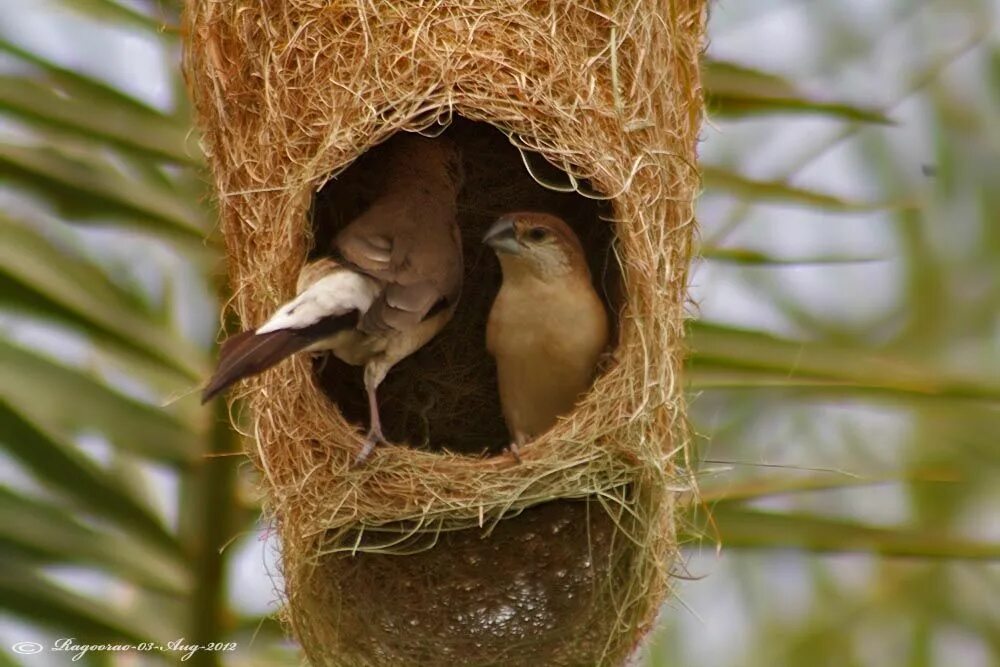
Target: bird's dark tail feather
point(247, 353)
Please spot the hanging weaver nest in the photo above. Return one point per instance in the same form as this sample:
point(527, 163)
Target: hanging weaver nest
point(436, 552)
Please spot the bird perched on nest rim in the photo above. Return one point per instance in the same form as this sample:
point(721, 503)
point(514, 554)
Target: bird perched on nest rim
point(547, 327)
point(391, 284)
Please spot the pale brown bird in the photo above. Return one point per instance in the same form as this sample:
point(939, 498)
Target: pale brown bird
point(390, 287)
point(547, 327)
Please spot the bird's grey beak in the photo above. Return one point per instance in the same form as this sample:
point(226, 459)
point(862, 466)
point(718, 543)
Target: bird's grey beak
point(501, 236)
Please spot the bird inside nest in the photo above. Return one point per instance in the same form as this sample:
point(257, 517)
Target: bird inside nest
point(390, 283)
point(547, 328)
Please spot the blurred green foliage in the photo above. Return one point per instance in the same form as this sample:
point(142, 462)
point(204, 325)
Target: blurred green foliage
point(844, 380)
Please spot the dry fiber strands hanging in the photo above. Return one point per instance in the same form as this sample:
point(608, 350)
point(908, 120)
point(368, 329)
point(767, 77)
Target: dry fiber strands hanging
point(435, 552)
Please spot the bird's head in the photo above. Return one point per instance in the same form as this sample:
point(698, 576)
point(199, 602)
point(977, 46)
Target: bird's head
point(538, 244)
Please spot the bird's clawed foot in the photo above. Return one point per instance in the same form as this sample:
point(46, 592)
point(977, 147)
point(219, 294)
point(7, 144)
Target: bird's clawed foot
point(515, 451)
point(606, 361)
point(373, 438)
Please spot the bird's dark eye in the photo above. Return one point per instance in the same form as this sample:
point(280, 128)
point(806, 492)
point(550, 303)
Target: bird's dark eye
point(538, 233)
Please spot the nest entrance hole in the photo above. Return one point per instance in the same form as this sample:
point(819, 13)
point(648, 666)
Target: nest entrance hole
point(444, 397)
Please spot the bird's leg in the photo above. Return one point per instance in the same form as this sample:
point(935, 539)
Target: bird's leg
point(374, 375)
point(324, 359)
point(606, 360)
point(374, 436)
point(515, 446)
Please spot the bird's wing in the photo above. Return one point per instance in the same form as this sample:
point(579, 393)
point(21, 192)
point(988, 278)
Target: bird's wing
point(423, 276)
point(249, 353)
point(366, 248)
point(403, 306)
point(410, 243)
point(333, 302)
point(334, 294)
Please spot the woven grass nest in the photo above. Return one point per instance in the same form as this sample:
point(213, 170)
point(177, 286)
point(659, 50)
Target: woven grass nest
point(440, 550)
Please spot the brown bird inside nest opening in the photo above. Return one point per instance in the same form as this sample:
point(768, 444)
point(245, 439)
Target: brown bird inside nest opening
point(445, 396)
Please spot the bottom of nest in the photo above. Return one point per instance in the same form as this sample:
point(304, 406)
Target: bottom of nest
point(536, 589)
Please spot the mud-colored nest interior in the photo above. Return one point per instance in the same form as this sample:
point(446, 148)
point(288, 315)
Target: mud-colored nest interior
point(445, 396)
